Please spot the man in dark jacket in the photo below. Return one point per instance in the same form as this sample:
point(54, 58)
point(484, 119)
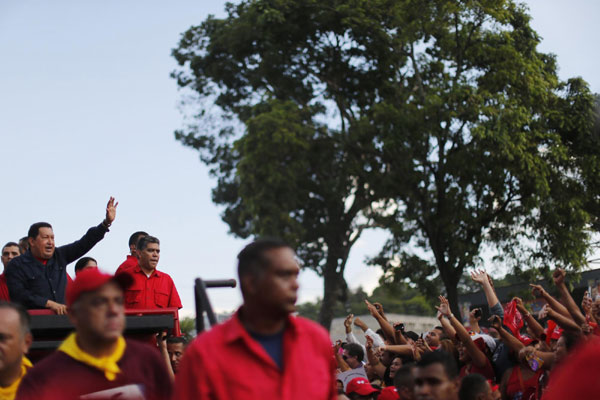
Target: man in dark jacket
point(38, 278)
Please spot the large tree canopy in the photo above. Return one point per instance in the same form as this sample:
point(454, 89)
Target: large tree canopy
point(436, 119)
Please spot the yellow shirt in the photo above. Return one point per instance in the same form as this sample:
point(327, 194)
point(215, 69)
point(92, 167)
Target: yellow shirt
point(9, 392)
point(107, 364)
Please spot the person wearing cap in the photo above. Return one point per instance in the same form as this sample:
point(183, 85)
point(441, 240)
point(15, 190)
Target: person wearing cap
point(389, 393)
point(474, 351)
point(361, 389)
point(95, 361)
point(131, 261)
point(38, 278)
point(15, 339)
point(262, 351)
point(151, 289)
point(9, 251)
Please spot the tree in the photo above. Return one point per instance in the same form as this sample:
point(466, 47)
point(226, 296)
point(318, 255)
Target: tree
point(434, 118)
point(483, 146)
point(294, 163)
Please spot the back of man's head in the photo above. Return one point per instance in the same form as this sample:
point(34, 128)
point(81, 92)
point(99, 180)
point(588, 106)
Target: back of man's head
point(404, 381)
point(145, 241)
point(474, 387)
point(24, 317)
point(440, 357)
point(252, 259)
point(34, 230)
point(135, 237)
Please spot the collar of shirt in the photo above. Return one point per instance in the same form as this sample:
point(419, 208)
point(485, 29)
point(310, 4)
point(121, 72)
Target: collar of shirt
point(238, 331)
point(138, 269)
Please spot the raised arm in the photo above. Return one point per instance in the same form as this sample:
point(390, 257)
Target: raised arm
point(477, 356)
point(377, 340)
point(386, 327)
point(539, 291)
point(512, 342)
point(564, 322)
point(567, 300)
point(450, 331)
point(77, 249)
point(482, 278)
point(532, 323)
point(376, 365)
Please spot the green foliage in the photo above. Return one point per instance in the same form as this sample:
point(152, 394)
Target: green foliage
point(188, 328)
point(438, 120)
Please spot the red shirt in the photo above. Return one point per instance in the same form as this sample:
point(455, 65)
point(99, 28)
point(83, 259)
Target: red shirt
point(3, 289)
point(156, 291)
point(487, 371)
point(130, 262)
point(227, 363)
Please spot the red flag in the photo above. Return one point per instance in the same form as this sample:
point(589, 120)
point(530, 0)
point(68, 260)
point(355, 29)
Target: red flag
point(513, 319)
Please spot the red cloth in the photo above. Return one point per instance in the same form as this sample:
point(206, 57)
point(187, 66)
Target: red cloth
point(3, 288)
point(130, 262)
point(227, 363)
point(156, 291)
point(487, 371)
point(514, 321)
point(513, 386)
point(577, 376)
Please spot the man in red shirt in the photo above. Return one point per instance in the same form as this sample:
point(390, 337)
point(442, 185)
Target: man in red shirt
point(151, 288)
point(131, 261)
point(262, 351)
point(9, 251)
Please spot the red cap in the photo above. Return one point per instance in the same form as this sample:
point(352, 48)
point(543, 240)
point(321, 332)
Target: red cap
point(360, 386)
point(389, 393)
point(91, 279)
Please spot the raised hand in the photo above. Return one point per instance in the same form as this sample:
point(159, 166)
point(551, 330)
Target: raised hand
point(558, 276)
point(537, 290)
point(369, 342)
point(372, 309)
point(586, 303)
point(479, 276)
point(111, 211)
point(444, 306)
point(379, 308)
point(348, 321)
point(496, 322)
point(359, 322)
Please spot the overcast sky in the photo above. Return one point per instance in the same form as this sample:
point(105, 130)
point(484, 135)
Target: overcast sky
point(87, 110)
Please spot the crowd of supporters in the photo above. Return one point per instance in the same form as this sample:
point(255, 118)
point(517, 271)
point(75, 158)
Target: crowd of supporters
point(264, 351)
point(518, 355)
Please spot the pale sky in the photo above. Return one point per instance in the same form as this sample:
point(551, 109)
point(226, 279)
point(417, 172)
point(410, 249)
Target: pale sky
point(88, 110)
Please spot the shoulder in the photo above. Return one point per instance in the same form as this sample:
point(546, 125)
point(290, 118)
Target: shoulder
point(140, 351)
point(48, 366)
point(312, 329)
point(212, 339)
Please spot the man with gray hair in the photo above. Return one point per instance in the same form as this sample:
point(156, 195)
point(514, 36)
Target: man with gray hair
point(14, 344)
point(151, 288)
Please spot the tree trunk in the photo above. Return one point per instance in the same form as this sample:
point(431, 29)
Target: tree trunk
point(330, 296)
point(452, 293)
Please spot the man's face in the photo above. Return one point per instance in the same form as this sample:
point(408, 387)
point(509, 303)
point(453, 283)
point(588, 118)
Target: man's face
point(432, 383)
point(175, 351)
point(13, 344)
point(352, 361)
point(463, 356)
point(432, 338)
point(42, 246)
point(8, 253)
point(149, 256)
point(276, 289)
point(100, 315)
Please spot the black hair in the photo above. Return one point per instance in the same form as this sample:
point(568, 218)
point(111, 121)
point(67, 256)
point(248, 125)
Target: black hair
point(34, 230)
point(570, 340)
point(404, 377)
point(355, 350)
point(176, 339)
point(411, 335)
point(440, 357)
point(24, 317)
point(471, 386)
point(133, 239)
point(23, 244)
point(81, 263)
point(252, 261)
point(145, 241)
point(11, 244)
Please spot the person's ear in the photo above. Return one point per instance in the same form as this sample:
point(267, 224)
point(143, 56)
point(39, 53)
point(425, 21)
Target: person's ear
point(248, 282)
point(27, 342)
